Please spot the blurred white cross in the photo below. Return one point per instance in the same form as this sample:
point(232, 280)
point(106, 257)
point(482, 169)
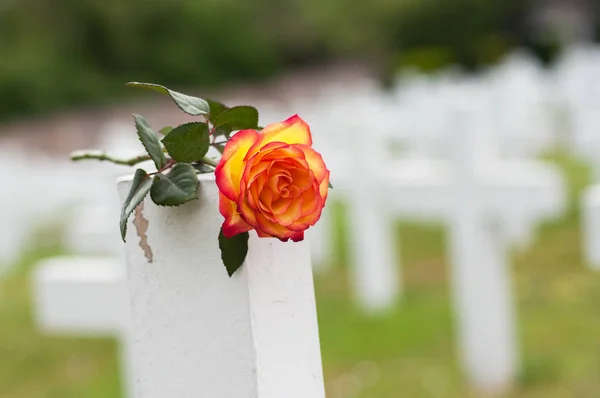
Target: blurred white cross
point(85, 296)
point(486, 203)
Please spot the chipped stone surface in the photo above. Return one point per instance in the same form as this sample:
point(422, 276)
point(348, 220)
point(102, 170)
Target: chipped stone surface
point(141, 227)
point(196, 332)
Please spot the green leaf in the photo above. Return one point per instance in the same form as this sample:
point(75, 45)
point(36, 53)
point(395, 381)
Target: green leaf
point(203, 168)
point(188, 143)
point(238, 118)
point(139, 189)
point(233, 250)
point(150, 141)
point(216, 108)
point(190, 105)
point(165, 130)
point(330, 186)
point(222, 130)
point(176, 187)
point(220, 148)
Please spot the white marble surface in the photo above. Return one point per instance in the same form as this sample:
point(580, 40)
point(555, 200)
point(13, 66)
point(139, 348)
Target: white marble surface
point(196, 331)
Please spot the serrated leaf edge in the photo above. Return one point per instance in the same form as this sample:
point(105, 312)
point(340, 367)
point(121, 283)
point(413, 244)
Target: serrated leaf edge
point(239, 106)
point(123, 221)
point(161, 157)
point(170, 93)
point(156, 177)
point(223, 251)
point(182, 125)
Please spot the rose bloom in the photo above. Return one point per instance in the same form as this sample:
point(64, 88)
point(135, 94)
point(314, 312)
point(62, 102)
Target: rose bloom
point(272, 181)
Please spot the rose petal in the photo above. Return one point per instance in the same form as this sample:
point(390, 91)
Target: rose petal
point(277, 177)
point(255, 170)
point(280, 205)
point(233, 224)
point(252, 192)
point(293, 212)
point(301, 178)
point(230, 169)
point(273, 228)
point(294, 130)
point(247, 212)
point(315, 162)
point(324, 187)
point(298, 236)
point(286, 152)
point(311, 201)
point(265, 200)
point(261, 234)
point(308, 220)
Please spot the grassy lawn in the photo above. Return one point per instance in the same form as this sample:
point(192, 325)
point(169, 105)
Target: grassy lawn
point(409, 353)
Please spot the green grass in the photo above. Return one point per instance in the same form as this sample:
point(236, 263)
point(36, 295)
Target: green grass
point(35, 365)
point(408, 353)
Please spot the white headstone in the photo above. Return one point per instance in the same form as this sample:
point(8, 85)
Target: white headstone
point(94, 230)
point(85, 296)
point(483, 300)
point(199, 333)
point(487, 204)
point(590, 213)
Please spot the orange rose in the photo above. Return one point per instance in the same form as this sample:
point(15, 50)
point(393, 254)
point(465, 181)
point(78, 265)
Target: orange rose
point(272, 181)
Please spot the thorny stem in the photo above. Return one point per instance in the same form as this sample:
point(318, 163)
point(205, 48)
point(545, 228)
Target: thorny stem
point(170, 163)
point(103, 156)
point(211, 133)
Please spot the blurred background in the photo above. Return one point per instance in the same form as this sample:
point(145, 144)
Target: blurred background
point(398, 94)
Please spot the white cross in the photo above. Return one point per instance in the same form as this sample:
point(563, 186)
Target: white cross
point(579, 82)
point(590, 213)
point(515, 94)
point(85, 296)
point(486, 203)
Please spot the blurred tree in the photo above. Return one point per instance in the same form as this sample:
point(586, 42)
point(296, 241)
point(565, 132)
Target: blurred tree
point(68, 52)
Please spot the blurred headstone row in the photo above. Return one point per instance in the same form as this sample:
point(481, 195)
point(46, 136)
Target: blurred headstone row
point(455, 149)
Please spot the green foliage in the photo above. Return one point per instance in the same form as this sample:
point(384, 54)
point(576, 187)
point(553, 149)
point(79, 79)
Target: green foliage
point(175, 182)
point(238, 118)
point(176, 187)
point(227, 119)
point(220, 148)
point(190, 105)
point(165, 130)
point(150, 141)
point(140, 187)
point(472, 33)
point(222, 131)
point(411, 350)
point(188, 142)
point(82, 51)
point(202, 168)
point(233, 250)
point(216, 108)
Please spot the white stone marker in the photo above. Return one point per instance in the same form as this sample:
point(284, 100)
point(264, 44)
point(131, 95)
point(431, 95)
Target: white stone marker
point(373, 245)
point(590, 212)
point(85, 296)
point(586, 141)
point(481, 287)
point(92, 230)
point(320, 237)
point(480, 199)
point(199, 333)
